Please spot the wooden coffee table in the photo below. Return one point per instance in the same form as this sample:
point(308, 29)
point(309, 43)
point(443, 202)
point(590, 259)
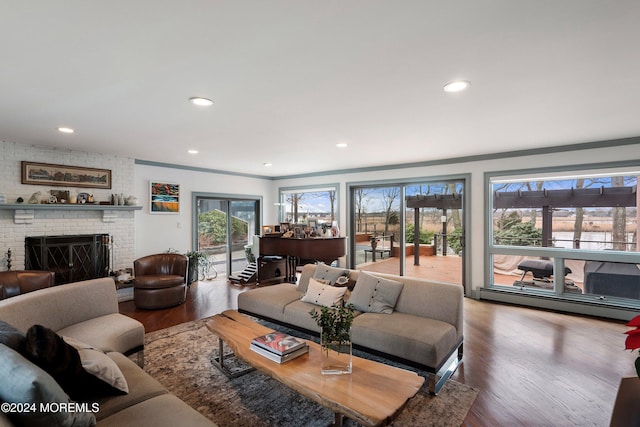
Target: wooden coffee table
point(373, 394)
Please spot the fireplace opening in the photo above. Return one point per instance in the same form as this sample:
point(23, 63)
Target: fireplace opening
point(72, 258)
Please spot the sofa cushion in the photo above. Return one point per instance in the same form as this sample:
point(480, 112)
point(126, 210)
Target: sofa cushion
point(98, 364)
point(111, 332)
point(166, 409)
point(419, 339)
point(269, 301)
point(374, 294)
point(297, 314)
point(142, 386)
point(320, 293)
point(11, 337)
point(23, 382)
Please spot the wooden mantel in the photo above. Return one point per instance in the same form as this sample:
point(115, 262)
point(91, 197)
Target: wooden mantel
point(24, 213)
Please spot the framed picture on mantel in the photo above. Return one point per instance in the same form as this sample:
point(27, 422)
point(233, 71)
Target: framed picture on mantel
point(165, 198)
point(65, 176)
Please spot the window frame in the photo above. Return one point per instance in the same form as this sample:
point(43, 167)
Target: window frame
point(609, 306)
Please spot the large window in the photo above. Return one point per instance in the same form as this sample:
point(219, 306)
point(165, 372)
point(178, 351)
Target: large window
point(567, 234)
point(300, 205)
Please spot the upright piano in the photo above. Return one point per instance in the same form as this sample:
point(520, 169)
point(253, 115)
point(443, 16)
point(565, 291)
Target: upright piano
point(325, 249)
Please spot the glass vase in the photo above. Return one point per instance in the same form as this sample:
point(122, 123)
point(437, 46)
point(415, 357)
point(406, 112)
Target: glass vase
point(335, 356)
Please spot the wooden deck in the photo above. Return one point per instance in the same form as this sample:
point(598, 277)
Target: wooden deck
point(441, 268)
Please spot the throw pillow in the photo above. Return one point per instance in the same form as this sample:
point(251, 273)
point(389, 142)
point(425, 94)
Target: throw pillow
point(326, 272)
point(46, 349)
point(63, 362)
point(319, 293)
point(98, 364)
point(23, 382)
point(11, 337)
point(374, 294)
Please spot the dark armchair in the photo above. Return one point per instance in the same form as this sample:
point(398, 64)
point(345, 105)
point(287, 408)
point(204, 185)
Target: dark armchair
point(160, 280)
point(18, 282)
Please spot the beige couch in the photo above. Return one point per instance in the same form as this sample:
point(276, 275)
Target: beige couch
point(425, 329)
point(88, 312)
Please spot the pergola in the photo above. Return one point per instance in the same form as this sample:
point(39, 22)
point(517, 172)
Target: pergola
point(549, 200)
point(437, 201)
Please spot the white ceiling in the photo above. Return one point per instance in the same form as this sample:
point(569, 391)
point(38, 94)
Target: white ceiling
point(290, 79)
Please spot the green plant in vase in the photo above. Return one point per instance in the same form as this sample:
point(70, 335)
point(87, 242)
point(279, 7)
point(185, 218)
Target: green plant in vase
point(198, 262)
point(335, 337)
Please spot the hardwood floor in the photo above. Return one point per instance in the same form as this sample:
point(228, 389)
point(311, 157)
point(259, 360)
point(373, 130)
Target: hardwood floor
point(531, 367)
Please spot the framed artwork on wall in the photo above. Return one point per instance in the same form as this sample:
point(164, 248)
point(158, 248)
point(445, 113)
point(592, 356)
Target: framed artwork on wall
point(164, 197)
point(65, 176)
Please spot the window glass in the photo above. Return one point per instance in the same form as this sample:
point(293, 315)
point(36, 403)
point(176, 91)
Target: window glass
point(582, 212)
point(316, 206)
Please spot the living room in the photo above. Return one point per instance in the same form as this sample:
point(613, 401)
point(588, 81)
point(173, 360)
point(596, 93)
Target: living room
point(535, 125)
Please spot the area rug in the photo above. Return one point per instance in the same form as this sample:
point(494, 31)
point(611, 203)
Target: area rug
point(180, 358)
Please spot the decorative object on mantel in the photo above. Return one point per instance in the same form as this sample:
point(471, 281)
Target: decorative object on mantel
point(2, 199)
point(117, 199)
point(335, 337)
point(62, 196)
point(626, 409)
point(9, 259)
point(66, 176)
point(33, 200)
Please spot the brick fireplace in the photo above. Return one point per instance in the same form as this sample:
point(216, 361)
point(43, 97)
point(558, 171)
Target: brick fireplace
point(120, 225)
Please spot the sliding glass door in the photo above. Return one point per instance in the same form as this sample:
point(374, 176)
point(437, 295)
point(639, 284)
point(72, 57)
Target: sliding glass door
point(413, 228)
point(223, 227)
point(377, 228)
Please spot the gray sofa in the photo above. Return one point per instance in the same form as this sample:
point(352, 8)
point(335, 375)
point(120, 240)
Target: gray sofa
point(424, 330)
point(88, 312)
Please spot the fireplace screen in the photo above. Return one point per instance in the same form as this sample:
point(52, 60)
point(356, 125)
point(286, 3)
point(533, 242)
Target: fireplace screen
point(72, 258)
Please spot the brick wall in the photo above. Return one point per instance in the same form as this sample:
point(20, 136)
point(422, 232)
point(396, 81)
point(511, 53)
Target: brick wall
point(53, 223)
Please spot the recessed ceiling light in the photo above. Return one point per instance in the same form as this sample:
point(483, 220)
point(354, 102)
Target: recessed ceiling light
point(192, 151)
point(201, 102)
point(267, 164)
point(341, 145)
point(65, 130)
point(456, 86)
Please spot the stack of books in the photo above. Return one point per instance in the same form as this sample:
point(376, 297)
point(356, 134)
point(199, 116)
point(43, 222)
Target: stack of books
point(279, 346)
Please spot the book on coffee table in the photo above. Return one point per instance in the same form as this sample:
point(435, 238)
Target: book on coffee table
point(279, 343)
point(277, 358)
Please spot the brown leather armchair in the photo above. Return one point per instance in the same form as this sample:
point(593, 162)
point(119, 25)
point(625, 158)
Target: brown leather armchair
point(160, 280)
point(18, 282)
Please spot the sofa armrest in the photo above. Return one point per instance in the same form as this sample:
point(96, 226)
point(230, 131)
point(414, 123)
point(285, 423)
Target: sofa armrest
point(60, 306)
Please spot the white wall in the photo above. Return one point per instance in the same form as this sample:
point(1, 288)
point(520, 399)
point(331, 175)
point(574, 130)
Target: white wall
point(53, 223)
point(159, 232)
point(477, 169)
